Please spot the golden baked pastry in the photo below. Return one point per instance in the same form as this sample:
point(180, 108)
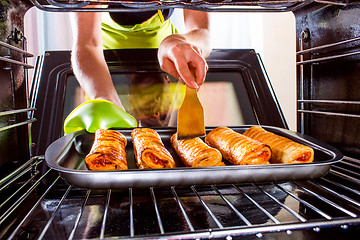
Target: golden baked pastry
point(237, 148)
point(107, 152)
point(283, 149)
point(149, 150)
point(195, 153)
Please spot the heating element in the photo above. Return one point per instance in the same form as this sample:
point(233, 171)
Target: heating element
point(36, 203)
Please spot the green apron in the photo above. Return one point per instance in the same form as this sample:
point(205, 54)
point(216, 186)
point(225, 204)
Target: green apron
point(148, 34)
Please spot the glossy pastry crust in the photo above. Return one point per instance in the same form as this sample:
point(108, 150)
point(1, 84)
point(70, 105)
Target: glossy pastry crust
point(195, 153)
point(107, 152)
point(283, 149)
point(149, 150)
point(237, 148)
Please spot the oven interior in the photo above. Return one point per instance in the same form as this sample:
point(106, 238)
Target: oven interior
point(38, 204)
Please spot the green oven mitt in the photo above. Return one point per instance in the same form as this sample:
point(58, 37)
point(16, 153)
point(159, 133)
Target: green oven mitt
point(97, 114)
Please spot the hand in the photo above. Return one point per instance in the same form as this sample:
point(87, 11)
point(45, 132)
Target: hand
point(182, 60)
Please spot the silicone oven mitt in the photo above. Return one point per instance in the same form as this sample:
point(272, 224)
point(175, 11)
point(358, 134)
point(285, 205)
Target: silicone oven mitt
point(97, 114)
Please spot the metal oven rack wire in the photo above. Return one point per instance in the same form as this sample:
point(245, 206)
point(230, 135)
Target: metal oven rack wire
point(7, 58)
point(204, 5)
point(224, 211)
point(302, 110)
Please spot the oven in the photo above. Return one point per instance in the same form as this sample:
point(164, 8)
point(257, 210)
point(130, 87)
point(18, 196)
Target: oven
point(40, 201)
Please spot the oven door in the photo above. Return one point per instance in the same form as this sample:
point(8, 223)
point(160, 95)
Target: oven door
point(236, 91)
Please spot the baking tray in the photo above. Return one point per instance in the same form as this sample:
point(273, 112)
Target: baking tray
point(66, 155)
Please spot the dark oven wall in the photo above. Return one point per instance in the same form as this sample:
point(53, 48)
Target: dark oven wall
point(329, 74)
point(14, 138)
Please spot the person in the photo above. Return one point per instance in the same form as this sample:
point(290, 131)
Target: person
point(182, 55)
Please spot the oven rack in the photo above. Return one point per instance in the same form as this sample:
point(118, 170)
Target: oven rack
point(11, 58)
point(225, 211)
point(316, 51)
point(313, 55)
point(202, 5)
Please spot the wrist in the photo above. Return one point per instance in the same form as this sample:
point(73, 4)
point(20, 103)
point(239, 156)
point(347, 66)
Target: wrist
point(114, 100)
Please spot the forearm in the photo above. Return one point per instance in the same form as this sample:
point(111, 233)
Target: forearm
point(88, 60)
point(198, 30)
point(91, 71)
point(201, 39)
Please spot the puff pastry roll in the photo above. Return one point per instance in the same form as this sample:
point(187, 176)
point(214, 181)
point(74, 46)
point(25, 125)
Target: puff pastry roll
point(149, 150)
point(283, 149)
point(237, 148)
point(195, 153)
point(107, 152)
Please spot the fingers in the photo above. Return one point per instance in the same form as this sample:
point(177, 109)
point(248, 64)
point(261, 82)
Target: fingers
point(198, 69)
point(169, 67)
point(185, 64)
point(186, 73)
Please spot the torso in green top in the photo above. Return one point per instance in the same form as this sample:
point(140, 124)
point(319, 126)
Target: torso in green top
point(148, 34)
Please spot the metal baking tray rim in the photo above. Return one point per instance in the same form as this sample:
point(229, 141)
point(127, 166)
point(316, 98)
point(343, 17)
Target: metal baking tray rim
point(192, 176)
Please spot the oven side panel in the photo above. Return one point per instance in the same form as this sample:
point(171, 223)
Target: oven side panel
point(14, 140)
point(328, 75)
